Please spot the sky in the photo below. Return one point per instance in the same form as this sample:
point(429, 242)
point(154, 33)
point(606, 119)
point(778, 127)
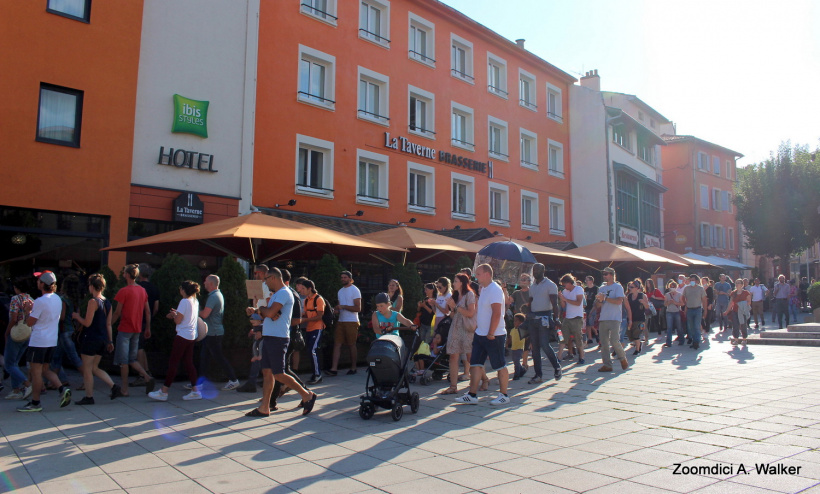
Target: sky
point(741, 74)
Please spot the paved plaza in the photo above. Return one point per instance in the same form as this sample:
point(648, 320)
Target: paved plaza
point(717, 408)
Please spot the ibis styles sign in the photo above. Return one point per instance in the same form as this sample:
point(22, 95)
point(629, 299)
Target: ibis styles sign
point(190, 116)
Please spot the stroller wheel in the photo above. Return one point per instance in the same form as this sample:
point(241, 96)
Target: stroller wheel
point(397, 412)
point(424, 381)
point(366, 411)
point(414, 403)
point(412, 379)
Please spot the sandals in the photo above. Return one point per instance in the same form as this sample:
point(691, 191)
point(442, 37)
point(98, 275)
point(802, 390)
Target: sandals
point(463, 378)
point(256, 413)
point(485, 385)
point(450, 391)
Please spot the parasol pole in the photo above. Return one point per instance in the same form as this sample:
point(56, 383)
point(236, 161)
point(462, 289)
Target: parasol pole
point(253, 254)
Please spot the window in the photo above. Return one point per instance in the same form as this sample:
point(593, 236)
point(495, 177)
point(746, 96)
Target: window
point(374, 21)
point(626, 197)
point(704, 197)
point(705, 237)
point(461, 59)
point(718, 240)
point(421, 115)
point(557, 217)
point(646, 150)
point(497, 75)
point(620, 136)
point(498, 139)
point(651, 123)
point(421, 188)
point(716, 205)
point(703, 161)
point(716, 165)
point(60, 115)
point(529, 149)
point(462, 127)
point(421, 40)
point(556, 158)
point(526, 90)
point(554, 104)
point(79, 10)
point(529, 211)
point(499, 204)
point(650, 210)
point(323, 10)
point(374, 96)
point(371, 177)
point(640, 116)
point(463, 197)
point(316, 78)
point(727, 202)
point(314, 167)
point(729, 169)
point(731, 236)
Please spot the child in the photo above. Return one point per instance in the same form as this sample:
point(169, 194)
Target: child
point(385, 320)
point(427, 353)
point(516, 344)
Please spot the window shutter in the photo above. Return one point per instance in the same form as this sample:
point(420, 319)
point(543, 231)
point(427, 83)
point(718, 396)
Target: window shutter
point(725, 200)
point(704, 197)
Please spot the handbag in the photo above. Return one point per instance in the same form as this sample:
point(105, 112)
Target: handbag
point(468, 324)
point(201, 329)
point(297, 339)
point(20, 332)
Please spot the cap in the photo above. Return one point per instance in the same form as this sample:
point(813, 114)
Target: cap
point(48, 278)
point(608, 270)
point(382, 298)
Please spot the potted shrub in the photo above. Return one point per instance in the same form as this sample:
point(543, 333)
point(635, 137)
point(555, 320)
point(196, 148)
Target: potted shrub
point(814, 299)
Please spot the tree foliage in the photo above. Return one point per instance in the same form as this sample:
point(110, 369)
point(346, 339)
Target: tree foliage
point(173, 271)
point(232, 285)
point(463, 262)
point(326, 277)
point(777, 203)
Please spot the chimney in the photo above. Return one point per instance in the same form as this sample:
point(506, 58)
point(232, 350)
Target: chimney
point(591, 80)
point(520, 43)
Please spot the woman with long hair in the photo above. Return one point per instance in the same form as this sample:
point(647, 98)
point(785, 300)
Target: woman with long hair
point(21, 386)
point(426, 312)
point(636, 303)
point(185, 316)
point(739, 311)
point(443, 294)
point(314, 310)
point(396, 295)
point(462, 305)
point(656, 298)
point(95, 339)
point(673, 321)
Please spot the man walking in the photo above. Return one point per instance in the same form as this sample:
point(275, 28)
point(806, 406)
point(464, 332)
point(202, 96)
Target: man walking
point(212, 344)
point(152, 291)
point(347, 329)
point(296, 315)
point(275, 339)
point(781, 291)
point(133, 313)
point(543, 297)
point(490, 338)
point(572, 299)
point(722, 290)
point(609, 302)
point(44, 316)
point(694, 298)
point(758, 292)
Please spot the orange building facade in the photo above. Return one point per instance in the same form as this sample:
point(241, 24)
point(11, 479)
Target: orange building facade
point(409, 109)
point(69, 84)
point(698, 209)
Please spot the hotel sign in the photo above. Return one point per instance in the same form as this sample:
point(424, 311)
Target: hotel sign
point(404, 145)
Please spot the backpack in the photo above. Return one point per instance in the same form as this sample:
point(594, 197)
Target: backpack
point(327, 315)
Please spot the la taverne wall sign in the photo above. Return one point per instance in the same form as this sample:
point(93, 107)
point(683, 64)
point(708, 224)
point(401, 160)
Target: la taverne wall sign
point(404, 145)
point(188, 208)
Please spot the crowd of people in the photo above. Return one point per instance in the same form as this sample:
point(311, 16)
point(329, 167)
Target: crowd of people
point(464, 323)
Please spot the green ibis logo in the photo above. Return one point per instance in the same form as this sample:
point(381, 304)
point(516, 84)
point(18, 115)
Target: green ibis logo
point(190, 116)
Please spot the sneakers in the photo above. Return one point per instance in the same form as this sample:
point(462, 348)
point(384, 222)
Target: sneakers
point(193, 395)
point(65, 397)
point(604, 368)
point(15, 395)
point(352, 372)
point(315, 380)
point(187, 386)
point(581, 361)
point(85, 401)
point(116, 392)
point(27, 392)
point(248, 387)
point(500, 400)
point(331, 373)
point(535, 380)
point(467, 399)
point(30, 407)
point(558, 374)
point(231, 385)
point(158, 395)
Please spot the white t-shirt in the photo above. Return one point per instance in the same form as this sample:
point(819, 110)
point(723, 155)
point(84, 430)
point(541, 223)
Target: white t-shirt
point(758, 292)
point(574, 310)
point(347, 295)
point(263, 302)
point(490, 294)
point(190, 311)
point(46, 310)
point(442, 301)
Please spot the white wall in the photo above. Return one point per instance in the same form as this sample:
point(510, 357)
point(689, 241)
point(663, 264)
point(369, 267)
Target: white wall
point(203, 50)
point(590, 204)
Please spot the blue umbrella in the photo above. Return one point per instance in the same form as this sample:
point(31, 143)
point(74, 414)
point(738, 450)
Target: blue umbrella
point(509, 260)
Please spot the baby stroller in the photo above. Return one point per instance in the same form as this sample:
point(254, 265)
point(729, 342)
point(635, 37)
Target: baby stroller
point(387, 378)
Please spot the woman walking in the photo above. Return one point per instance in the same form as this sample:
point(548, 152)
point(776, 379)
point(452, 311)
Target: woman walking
point(21, 386)
point(657, 300)
point(95, 339)
point(185, 316)
point(739, 312)
point(314, 311)
point(462, 305)
point(672, 303)
point(636, 304)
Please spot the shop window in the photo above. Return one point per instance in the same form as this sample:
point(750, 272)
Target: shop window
point(496, 75)
point(372, 179)
point(499, 204)
point(555, 108)
point(498, 137)
point(421, 188)
point(462, 59)
point(316, 78)
point(421, 112)
point(529, 149)
point(529, 211)
point(556, 158)
point(314, 167)
point(323, 10)
point(526, 90)
point(374, 96)
point(463, 197)
point(462, 127)
point(59, 116)
point(422, 38)
point(79, 10)
point(374, 21)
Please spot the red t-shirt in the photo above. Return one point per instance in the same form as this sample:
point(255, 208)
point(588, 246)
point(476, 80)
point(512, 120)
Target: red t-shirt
point(133, 299)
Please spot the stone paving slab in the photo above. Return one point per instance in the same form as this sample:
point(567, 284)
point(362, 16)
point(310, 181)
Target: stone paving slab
point(589, 432)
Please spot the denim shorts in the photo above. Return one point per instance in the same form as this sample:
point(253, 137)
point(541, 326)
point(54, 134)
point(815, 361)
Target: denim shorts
point(484, 347)
point(126, 349)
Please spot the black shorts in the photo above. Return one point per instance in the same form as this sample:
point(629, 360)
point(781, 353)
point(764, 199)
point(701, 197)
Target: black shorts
point(93, 347)
point(274, 351)
point(39, 355)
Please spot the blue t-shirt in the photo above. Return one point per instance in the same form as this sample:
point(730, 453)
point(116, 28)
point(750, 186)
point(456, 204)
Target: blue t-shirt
point(722, 286)
point(280, 327)
point(611, 312)
point(215, 302)
point(386, 323)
